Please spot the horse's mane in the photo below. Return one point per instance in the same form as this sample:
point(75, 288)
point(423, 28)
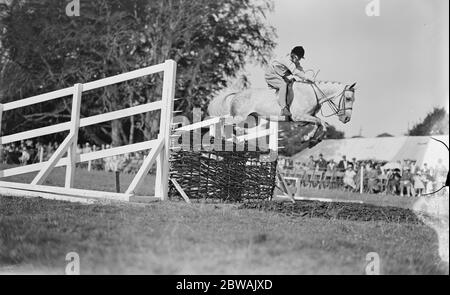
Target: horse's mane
point(328, 82)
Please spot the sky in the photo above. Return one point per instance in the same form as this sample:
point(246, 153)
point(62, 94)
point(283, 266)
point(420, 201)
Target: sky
point(399, 59)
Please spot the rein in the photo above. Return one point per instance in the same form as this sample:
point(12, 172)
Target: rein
point(336, 109)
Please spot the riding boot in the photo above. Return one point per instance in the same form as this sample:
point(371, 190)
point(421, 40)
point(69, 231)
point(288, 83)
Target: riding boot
point(285, 112)
point(282, 98)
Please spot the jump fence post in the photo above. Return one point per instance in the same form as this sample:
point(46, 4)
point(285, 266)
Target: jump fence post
point(41, 154)
point(297, 186)
point(261, 126)
point(212, 130)
point(162, 160)
point(75, 125)
point(361, 184)
point(1, 143)
point(273, 137)
point(117, 181)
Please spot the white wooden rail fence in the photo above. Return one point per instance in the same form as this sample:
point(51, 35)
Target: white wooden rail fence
point(159, 148)
point(265, 128)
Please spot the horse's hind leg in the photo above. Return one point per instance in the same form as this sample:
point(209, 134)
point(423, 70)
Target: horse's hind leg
point(241, 107)
point(238, 119)
point(233, 128)
point(310, 119)
point(237, 115)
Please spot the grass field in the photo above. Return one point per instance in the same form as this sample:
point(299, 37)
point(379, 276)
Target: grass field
point(201, 238)
point(375, 199)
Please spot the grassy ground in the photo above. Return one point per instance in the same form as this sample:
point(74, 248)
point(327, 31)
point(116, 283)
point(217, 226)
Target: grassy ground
point(176, 238)
point(375, 199)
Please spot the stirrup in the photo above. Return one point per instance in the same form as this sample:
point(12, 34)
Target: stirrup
point(285, 112)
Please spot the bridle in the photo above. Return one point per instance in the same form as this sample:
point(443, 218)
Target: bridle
point(336, 109)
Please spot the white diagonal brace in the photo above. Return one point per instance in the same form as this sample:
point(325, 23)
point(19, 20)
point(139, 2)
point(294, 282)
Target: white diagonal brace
point(50, 164)
point(180, 190)
point(145, 168)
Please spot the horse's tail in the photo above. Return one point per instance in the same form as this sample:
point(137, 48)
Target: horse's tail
point(220, 105)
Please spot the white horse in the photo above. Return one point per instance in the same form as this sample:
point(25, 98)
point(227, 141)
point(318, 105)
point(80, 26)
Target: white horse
point(306, 101)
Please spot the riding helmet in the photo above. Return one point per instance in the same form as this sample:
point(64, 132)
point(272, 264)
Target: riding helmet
point(299, 51)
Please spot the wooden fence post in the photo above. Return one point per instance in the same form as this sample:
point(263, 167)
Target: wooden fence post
point(1, 143)
point(117, 172)
point(361, 184)
point(41, 154)
point(75, 126)
point(273, 137)
point(162, 160)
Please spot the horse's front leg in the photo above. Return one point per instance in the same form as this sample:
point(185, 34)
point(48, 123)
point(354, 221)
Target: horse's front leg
point(310, 119)
point(324, 125)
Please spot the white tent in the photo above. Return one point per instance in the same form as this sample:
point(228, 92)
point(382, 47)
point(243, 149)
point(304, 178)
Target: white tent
point(422, 149)
point(436, 150)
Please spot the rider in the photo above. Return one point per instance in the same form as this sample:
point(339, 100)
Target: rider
point(284, 71)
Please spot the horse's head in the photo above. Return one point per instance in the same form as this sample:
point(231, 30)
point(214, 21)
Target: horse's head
point(345, 106)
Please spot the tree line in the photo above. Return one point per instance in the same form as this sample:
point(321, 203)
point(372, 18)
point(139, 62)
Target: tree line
point(42, 49)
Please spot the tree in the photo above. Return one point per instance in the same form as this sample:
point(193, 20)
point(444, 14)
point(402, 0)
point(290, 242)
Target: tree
point(291, 136)
point(435, 123)
point(385, 135)
point(210, 40)
point(44, 50)
point(333, 133)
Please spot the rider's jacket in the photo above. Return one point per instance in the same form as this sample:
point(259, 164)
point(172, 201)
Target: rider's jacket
point(285, 67)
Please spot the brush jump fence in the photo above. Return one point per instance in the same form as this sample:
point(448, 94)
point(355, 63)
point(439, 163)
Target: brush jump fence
point(233, 168)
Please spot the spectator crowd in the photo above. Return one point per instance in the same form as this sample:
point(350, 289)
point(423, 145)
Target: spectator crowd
point(404, 178)
point(28, 152)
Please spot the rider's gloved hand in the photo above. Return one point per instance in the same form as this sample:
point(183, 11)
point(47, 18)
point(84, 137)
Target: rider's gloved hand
point(301, 79)
point(296, 78)
point(291, 79)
